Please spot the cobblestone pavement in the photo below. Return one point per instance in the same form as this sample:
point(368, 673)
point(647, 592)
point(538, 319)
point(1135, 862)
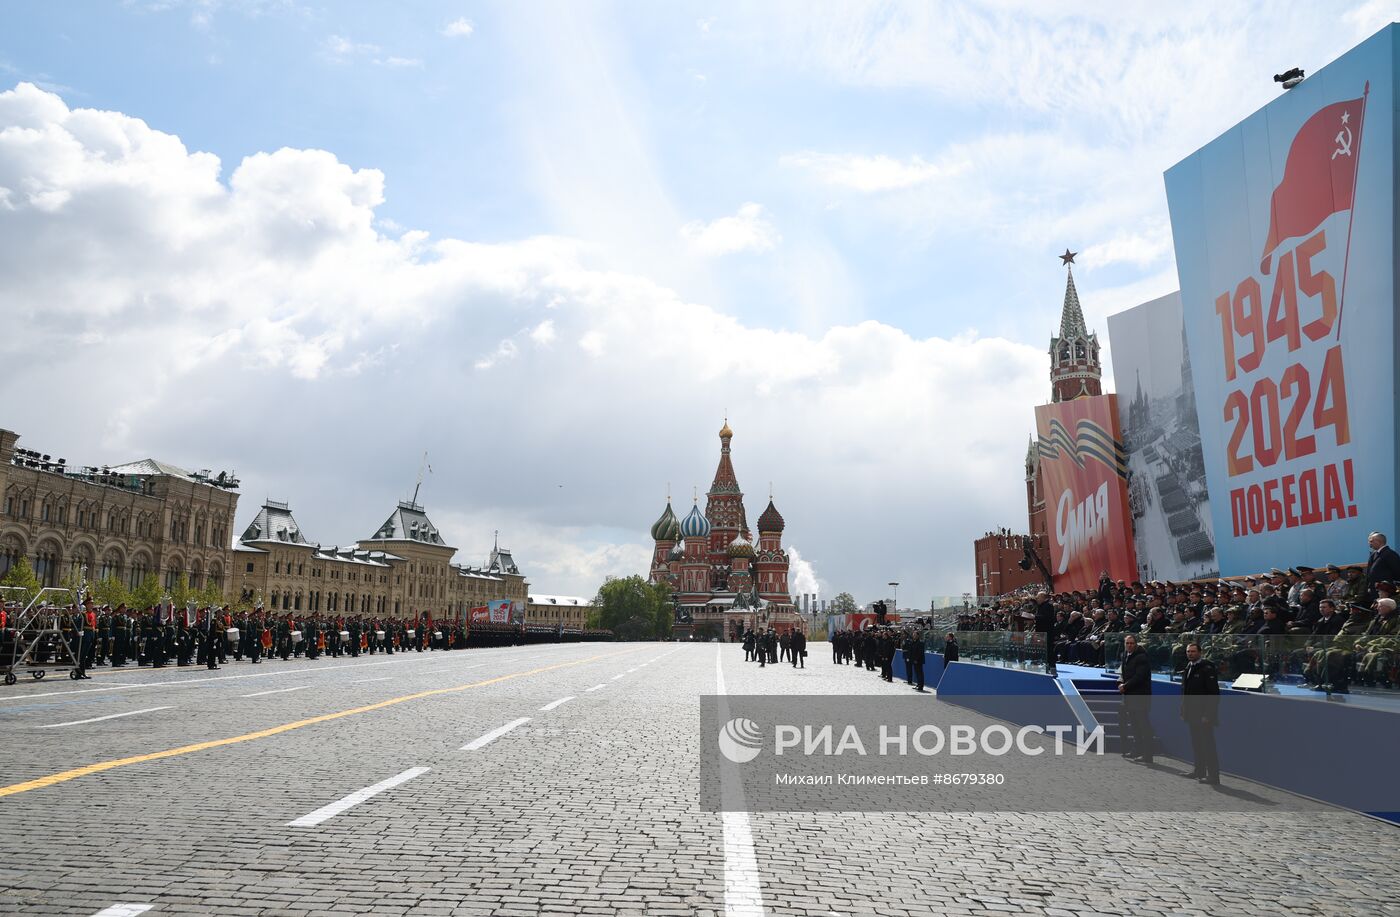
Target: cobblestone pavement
point(589, 807)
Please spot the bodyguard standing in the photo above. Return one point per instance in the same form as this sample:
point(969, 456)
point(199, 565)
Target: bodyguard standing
point(914, 658)
point(1135, 684)
point(1200, 708)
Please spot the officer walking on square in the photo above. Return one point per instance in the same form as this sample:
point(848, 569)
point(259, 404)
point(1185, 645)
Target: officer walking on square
point(799, 649)
point(1200, 709)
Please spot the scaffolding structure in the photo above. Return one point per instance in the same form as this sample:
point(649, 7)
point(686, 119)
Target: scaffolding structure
point(34, 641)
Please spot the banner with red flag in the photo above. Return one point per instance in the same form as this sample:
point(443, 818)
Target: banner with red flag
point(1319, 177)
point(1285, 234)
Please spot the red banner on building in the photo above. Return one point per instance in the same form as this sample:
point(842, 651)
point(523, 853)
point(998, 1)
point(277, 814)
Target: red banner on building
point(1086, 492)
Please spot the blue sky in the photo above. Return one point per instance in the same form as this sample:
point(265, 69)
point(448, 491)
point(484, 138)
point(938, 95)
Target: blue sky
point(589, 230)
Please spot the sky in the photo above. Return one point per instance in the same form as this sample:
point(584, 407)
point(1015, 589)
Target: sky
point(555, 245)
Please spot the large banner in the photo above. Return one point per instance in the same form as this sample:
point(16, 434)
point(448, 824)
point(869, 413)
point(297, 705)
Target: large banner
point(1086, 494)
point(1167, 490)
point(1284, 234)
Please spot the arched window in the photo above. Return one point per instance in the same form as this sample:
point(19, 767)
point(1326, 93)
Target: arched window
point(46, 564)
point(216, 575)
point(11, 550)
point(111, 565)
point(140, 569)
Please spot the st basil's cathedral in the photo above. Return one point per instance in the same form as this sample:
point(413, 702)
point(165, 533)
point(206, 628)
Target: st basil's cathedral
point(722, 582)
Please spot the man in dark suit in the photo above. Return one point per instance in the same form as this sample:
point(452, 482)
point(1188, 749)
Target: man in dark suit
point(1045, 624)
point(1135, 684)
point(1383, 564)
point(950, 649)
point(1200, 709)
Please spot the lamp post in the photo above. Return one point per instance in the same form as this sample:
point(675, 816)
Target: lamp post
point(895, 596)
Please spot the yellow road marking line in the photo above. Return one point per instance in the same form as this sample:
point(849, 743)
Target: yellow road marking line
point(39, 783)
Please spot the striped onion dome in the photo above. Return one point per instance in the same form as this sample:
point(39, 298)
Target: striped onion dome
point(695, 525)
point(667, 528)
point(771, 520)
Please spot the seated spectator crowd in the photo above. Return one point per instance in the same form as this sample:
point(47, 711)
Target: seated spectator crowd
point(1357, 613)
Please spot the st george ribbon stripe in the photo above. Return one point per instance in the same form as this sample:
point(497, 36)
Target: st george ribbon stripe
point(495, 734)
point(123, 910)
point(98, 719)
point(355, 798)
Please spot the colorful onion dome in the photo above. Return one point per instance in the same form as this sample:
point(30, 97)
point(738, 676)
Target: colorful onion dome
point(740, 547)
point(695, 525)
point(677, 552)
point(667, 528)
point(771, 520)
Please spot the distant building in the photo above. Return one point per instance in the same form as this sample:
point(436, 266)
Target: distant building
point(998, 556)
point(569, 612)
point(402, 570)
point(722, 581)
point(1076, 371)
point(124, 521)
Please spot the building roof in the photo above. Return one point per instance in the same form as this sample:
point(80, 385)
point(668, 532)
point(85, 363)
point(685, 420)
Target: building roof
point(408, 522)
point(502, 562)
point(726, 482)
point(1072, 317)
point(557, 600)
point(151, 466)
point(274, 522)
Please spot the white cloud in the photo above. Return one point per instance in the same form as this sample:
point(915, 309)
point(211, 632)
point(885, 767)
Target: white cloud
point(748, 230)
point(543, 333)
point(873, 173)
point(339, 47)
point(461, 27)
point(399, 62)
point(266, 304)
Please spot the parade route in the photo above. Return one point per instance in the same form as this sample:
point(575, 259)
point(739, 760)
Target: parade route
point(516, 791)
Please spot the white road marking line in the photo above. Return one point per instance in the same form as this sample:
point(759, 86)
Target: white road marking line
point(355, 798)
point(631, 670)
point(276, 691)
point(743, 895)
point(555, 703)
point(98, 719)
point(595, 688)
point(123, 910)
point(617, 676)
point(365, 681)
point(495, 734)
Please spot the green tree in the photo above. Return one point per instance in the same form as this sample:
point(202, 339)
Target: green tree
point(22, 575)
point(111, 591)
point(181, 594)
point(211, 596)
point(148, 594)
point(665, 611)
point(632, 608)
point(844, 604)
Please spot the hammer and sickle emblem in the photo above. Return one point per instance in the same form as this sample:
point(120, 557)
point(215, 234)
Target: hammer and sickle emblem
point(1343, 139)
